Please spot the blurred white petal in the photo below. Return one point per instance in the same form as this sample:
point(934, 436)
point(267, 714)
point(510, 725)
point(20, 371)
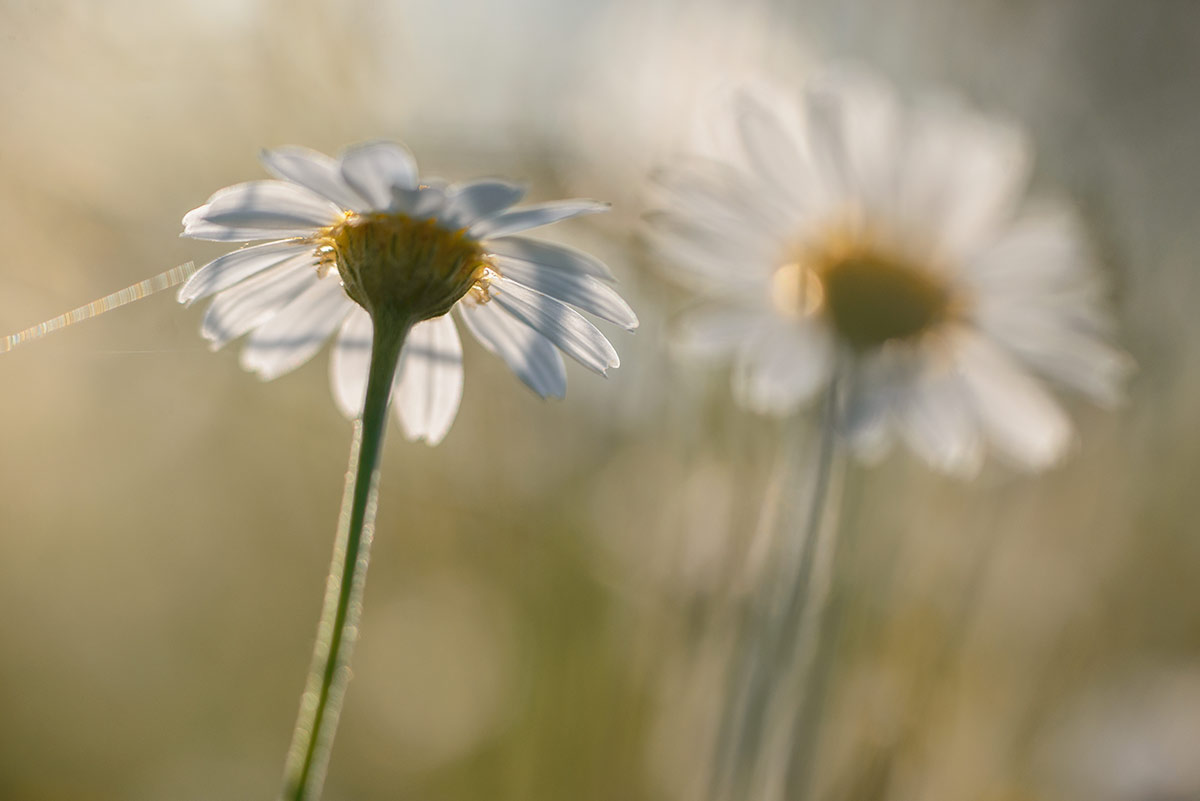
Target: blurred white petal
point(852, 123)
point(715, 332)
point(1038, 296)
point(773, 147)
point(719, 261)
point(936, 417)
point(782, 367)
point(1019, 417)
point(963, 176)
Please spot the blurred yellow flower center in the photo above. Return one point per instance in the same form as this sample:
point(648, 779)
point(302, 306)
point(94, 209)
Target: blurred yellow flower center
point(869, 297)
point(394, 264)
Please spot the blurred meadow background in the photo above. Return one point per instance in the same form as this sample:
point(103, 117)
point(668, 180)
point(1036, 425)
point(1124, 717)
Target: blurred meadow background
point(555, 588)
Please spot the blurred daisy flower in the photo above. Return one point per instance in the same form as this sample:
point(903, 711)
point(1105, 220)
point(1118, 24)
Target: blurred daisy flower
point(347, 237)
point(836, 233)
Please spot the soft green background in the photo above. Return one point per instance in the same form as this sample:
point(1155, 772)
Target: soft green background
point(544, 616)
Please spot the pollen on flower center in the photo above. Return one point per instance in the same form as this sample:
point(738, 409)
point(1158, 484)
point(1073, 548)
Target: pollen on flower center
point(869, 297)
point(390, 263)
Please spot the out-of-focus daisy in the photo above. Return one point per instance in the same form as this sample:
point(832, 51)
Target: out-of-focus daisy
point(686, 54)
point(349, 234)
point(844, 235)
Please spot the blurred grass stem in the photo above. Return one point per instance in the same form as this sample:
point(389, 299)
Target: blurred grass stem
point(320, 706)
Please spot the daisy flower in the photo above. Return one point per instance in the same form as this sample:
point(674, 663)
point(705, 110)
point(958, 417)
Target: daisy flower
point(349, 238)
point(837, 233)
point(363, 247)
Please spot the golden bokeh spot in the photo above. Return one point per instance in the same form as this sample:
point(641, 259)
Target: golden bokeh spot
point(868, 295)
point(390, 263)
point(796, 290)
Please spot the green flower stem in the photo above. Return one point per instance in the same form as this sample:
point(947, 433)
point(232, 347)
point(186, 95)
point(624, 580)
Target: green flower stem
point(312, 740)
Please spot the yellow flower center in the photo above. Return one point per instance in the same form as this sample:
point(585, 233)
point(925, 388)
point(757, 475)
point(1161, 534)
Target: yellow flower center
point(868, 295)
point(393, 264)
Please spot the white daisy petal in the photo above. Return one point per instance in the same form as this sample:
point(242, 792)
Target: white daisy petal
point(1048, 341)
point(852, 125)
point(715, 192)
point(1042, 253)
point(782, 367)
point(259, 210)
point(527, 353)
point(533, 216)
point(1019, 417)
point(314, 171)
point(582, 291)
point(937, 420)
point(238, 265)
point(296, 332)
point(990, 180)
point(549, 254)
point(962, 177)
point(373, 169)
point(1037, 295)
point(429, 380)
point(254, 301)
point(468, 203)
point(559, 323)
point(350, 361)
point(773, 148)
point(213, 232)
point(715, 332)
point(723, 261)
point(423, 202)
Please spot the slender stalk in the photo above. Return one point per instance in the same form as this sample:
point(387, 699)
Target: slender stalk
point(321, 704)
point(798, 601)
point(810, 711)
point(745, 667)
point(781, 649)
point(820, 646)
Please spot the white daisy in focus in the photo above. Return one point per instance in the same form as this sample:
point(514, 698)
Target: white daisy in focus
point(366, 226)
point(844, 235)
